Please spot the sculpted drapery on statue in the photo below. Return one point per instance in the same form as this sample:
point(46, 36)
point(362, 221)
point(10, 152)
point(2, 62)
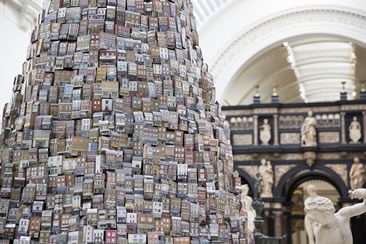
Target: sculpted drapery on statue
point(355, 131)
point(266, 171)
point(357, 174)
point(335, 227)
point(308, 131)
point(265, 132)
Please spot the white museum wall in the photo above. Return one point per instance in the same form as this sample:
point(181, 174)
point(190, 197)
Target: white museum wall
point(13, 49)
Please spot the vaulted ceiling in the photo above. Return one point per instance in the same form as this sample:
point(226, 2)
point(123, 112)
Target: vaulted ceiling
point(242, 41)
point(320, 64)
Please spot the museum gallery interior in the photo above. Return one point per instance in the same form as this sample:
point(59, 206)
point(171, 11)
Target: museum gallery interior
point(183, 121)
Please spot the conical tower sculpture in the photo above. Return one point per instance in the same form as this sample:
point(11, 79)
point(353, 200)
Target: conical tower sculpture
point(113, 134)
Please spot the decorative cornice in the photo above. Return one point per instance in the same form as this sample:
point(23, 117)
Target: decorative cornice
point(26, 12)
point(309, 15)
point(204, 10)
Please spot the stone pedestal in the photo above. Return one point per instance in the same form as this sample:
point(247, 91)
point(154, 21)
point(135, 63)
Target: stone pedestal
point(258, 205)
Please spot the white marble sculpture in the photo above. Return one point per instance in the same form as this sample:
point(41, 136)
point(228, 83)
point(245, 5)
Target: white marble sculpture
point(357, 174)
point(308, 131)
point(335, 227)
point(246, 207)
point(266, 171)
point(311, 226)
point(354, 130)
point(265, 132)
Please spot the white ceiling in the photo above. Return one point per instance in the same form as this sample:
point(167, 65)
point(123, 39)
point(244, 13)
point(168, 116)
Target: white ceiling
point(268, 70)
point(320, 65)
point(250, 33)
point(323, 62)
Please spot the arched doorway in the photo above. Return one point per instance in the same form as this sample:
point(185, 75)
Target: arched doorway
point(296, 214)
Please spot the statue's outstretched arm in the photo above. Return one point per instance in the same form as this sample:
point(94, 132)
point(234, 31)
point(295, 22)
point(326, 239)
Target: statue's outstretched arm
point(356, 209)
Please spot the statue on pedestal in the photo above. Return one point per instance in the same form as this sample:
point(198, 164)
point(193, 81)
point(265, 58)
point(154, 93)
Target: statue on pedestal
point(357, 174)
point(311, 226)
point(335, 227)
point(265, 132)
point(354, 131)
point(308, 131)
point(266, 172)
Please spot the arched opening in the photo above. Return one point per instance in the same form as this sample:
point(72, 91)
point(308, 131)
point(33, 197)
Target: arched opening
point(296, 197)
point(246, 179)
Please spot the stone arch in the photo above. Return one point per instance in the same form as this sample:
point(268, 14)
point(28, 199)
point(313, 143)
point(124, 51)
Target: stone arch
point(293, 179)
point(298, 175)
point(265, 35)
point(247, 178)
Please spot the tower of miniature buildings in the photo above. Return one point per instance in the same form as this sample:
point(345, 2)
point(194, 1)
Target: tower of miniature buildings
point(113, 134)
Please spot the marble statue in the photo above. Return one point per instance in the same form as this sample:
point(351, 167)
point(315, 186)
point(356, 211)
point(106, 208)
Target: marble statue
point(311, 226)
point(246, 207)
point(357, 174)
point(266, 171)
point(308, 131)
point(335, 227)
point(354, 130)
point(265, 132)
